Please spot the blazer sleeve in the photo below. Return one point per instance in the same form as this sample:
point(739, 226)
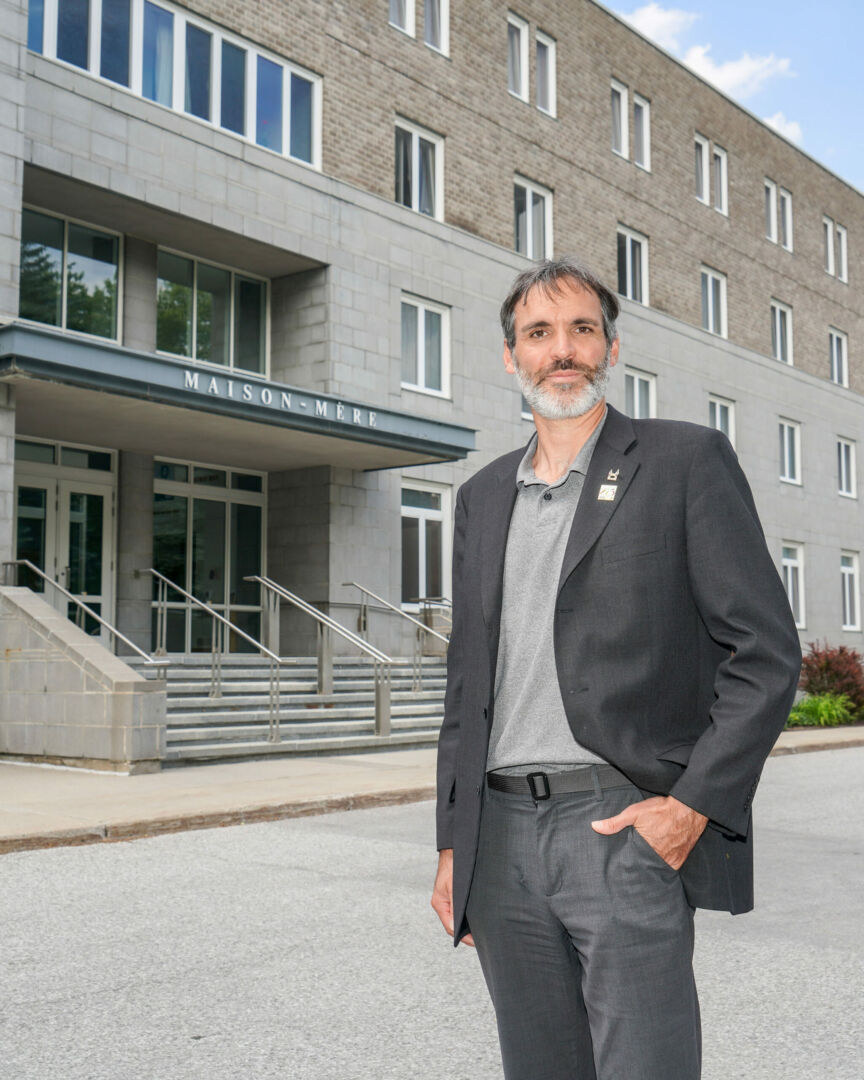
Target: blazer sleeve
point(448, 739)
point(744, 607)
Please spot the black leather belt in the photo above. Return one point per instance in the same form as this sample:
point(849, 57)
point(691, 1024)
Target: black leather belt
point(541, 785)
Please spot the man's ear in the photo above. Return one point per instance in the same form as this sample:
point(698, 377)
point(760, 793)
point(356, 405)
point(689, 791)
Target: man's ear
point(613, 352)
point(508, 360)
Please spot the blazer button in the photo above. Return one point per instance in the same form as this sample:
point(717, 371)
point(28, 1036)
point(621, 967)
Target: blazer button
point(485, 714)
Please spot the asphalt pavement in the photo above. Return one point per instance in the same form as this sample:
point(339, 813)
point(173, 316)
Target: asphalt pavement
point(305, 949)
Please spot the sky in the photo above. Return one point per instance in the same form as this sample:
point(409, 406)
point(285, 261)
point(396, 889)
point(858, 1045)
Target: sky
point(797, 66)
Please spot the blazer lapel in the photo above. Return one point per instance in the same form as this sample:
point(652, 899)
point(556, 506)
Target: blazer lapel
point(497, 512)
point(613, 466)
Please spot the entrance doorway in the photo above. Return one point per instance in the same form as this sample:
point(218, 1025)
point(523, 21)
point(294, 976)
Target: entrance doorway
point(64, 524)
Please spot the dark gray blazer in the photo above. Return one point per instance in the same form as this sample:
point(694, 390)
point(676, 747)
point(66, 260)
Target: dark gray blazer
point(676, 651)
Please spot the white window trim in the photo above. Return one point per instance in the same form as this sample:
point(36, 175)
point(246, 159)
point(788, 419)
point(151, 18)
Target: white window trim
point(446, 493)
point(651, 379)
point(721, 204)
point(444, 49)
point(522, 26)
point(828, 239)
point(121, 263)
point(851, 573)
point(225, 369)
point(842, 255)
point(422, 304)
point(795, 428)
point(624, 91)
point(551, 46)
point(712, 273)
point(417, 132)
point(835, 335)
point(538, 189)
point(776, 307)
point(771, 188)
point(410, 27)
point(645, 105)
point(218, 35)
point(523, 414)
point(705, 195)
point(784, 196)
point(730, 405)
point(852, 493)
point(798, 562)
point(631, 234)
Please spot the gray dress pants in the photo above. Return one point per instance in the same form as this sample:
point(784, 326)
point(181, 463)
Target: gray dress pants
point(586, 943)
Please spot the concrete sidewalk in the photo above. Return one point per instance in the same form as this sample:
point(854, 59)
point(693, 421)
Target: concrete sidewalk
point(45, 806)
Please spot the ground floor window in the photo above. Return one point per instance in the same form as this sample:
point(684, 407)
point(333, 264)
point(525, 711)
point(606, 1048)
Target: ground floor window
point(208, 536)
point(422, 548)
point(793, 580)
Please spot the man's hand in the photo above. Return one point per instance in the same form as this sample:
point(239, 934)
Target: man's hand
point(442, 893)
point(670, 827)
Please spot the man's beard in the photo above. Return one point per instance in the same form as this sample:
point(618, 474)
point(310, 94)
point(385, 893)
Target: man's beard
point(564, 403)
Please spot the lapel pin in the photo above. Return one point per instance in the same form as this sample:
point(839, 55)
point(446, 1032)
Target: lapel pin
point(613, 474)
point(607, 492)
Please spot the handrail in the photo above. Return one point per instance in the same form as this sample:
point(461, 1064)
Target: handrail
point(398, 610)
point(218, 640)
point(276, 592)
point(85, 607)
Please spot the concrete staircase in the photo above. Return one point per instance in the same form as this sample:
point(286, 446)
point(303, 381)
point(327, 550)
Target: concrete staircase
point(235, 726)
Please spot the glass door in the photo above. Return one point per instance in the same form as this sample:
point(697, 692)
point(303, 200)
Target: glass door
point(35, 531)
point(84, 548)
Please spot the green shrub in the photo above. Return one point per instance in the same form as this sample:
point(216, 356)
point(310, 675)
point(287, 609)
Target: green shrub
point(822, 710)
point(834, 669)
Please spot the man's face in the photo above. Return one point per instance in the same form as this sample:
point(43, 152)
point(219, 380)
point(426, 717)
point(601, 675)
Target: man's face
point(561, 358)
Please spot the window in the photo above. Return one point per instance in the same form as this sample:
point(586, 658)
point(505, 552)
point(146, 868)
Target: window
point(721, 416)
point(545, 73)
point(846, 479)
point(419, 169)
point(632, 265)
point(620, 130)
point(793, 579)
point(163, 54)
point(837, 357)
point(436, 25)
point(700, 147)
point(790, 451)
point(639, 394)
point(842, 265)
point(849, 589)
point(517, 56)
point(721, 180)
point(402, 15)
point(422, 542)
point(70, 275)
point(532, 219)
point(210, 313)
point(771, 211)
point(785, 216)
point(642, 132)
point(425, 345)
point(781, 332)
point(828, 244)
point(713, 301)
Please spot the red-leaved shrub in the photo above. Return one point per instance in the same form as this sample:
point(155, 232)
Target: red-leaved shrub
point(834, 669)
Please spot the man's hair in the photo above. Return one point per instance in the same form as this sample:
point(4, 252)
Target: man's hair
point(547, 274)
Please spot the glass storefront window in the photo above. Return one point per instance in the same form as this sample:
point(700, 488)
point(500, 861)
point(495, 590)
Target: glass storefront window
point(42, 453)
point(211, 477)
point(174, 304)
point(301, 118)
point(213, 315)
point(116, 23)
point(169, 540)
point(422, 540)
point(158, 65)
point(168, 470)
point(245, 553)
point(249, 321)
point(41, 293)
point(76, 458)
point(246, 482)
point(198, 60)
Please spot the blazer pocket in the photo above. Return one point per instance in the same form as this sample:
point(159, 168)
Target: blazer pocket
point(646, 544)
point(679, 754)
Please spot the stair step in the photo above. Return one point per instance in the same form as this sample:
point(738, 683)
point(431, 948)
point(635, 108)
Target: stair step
point(322, 745)
point(310, 729)
point(232, 703)
point(258, 716)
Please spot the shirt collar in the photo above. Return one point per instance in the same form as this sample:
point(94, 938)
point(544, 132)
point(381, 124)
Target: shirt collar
point(525, 474)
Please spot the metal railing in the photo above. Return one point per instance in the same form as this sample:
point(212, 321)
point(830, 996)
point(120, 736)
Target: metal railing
point(420, 629)
point(275, 593)
point(219, 625)
point(83, 609)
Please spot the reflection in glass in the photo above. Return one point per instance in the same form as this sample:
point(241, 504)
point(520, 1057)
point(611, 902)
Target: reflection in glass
point(250, 622)
point(198, 61)
point(269, 126)
point(73, 22)
point(520, 219)
point(422, 500)
point(410, 559)
point(433, 558)
point(30, 536)
point(114, 63)
point(85, 459)
point(301, 118)
point(213, 314)
point(247, 482)
point(35, 24)
point(34, 451)
point(403, 167)
point(174, 304)
point(91, 282)
point(432, 353)
point(85, 543)
point(233, 116)
point(158, 70)
point(538, 222)
point(40, 296)
point(426, 195)
point(169, 470)
point(245, 553)
point(208, 551)
point(409, 344)
point(211, 477)
point(175, 630)
point(249, 309)
point(169, 540)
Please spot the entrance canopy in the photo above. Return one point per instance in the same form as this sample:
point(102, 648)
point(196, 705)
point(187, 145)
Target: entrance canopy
point(84, 391)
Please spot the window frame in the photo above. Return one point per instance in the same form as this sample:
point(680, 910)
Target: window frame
point(643, 103)
point(793, 426)
point(778, 308)
point(422, 304)
point(410, 28)
point(542, 38)
point(784, 219)
point(701, 146)
point(838, 337)
point(711, 273)
point(850, 590)
point(795, 562)
point(630, 236)
point(726, 403)
point(842, 253)
point(418, 132)
point(446, 512)
point(770, 190)
point(718, 154)
point(850, 474)
point(444, 14)
point(531, 186)
point(828, 227)
point(519, 24)
point(639, 375)
point(624, 95)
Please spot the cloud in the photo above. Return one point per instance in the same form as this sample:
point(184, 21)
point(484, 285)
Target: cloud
point(790, 128)
point(741, 78)
point(663, 25)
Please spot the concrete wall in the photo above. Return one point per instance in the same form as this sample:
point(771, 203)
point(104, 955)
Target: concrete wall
point(13, 19)
point(65, 699)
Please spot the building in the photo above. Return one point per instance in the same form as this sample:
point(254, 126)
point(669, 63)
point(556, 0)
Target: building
point(250, 263)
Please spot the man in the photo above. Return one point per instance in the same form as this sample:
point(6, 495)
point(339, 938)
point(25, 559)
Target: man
point(622, 660)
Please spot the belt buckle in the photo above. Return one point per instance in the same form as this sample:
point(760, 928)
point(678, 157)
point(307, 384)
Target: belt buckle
point(531, 777)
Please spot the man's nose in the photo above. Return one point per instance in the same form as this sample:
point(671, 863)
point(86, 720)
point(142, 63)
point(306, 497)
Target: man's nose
point(561, 346)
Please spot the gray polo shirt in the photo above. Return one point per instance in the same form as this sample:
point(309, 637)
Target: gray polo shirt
point(530, 728)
